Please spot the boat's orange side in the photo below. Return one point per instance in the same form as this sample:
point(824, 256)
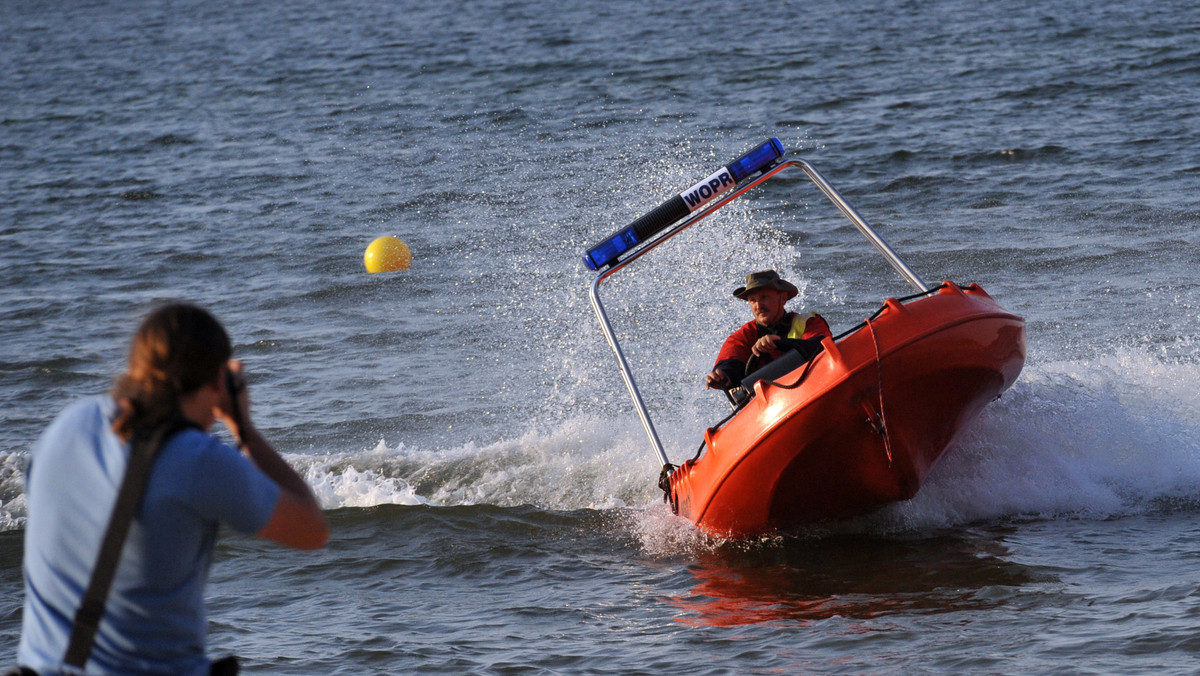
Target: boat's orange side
point(823, 443)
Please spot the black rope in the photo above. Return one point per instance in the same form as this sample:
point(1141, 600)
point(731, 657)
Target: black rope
point(729, 417)
point(664, 480)
point(799, 381)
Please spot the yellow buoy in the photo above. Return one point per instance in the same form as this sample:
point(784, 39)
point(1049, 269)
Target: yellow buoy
point(387, 254)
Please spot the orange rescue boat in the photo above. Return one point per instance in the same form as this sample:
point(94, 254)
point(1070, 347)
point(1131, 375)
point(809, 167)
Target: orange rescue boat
point(854, 428)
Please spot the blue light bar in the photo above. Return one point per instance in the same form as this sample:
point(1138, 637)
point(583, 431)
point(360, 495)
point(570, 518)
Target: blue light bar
point(609, 249)
point(756, 160)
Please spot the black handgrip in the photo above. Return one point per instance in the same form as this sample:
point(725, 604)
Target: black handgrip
point(658, 220)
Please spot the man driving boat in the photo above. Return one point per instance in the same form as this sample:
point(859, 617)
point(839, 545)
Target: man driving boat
point(773, 331)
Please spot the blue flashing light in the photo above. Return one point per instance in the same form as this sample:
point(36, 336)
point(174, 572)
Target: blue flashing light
point(607, 251)
point(674, 209)
point(756, 160)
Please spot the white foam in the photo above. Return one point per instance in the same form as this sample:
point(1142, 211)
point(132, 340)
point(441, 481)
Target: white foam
point(1082, 439)
point(351, 487)
point(581, 463)
point(1098, 438)
point(12, 491)
point(1088, 439)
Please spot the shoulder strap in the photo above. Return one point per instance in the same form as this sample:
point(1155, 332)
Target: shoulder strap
point(144, 446)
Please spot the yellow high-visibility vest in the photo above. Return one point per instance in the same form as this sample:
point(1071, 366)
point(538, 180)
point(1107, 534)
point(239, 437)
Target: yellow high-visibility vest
point(798, 324)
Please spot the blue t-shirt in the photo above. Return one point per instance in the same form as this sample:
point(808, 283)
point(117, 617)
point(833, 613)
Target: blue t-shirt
point(154, 621)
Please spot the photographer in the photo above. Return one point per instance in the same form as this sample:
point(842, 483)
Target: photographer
point(179, 380)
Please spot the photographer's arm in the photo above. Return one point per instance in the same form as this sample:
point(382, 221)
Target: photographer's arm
point(297, 520)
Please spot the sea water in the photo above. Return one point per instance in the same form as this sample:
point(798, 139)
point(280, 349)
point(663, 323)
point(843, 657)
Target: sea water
point(491, 490)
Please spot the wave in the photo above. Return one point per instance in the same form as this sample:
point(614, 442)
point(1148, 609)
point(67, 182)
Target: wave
point(1101, 438)
point(586, 463)
point(1093, 439)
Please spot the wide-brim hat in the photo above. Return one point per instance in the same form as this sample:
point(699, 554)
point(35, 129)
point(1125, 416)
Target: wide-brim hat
point(765, 278)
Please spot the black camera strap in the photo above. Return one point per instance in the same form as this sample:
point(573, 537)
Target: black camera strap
point(143, 447)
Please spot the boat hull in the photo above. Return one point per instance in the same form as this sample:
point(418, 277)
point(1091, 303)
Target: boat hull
point(862, 424)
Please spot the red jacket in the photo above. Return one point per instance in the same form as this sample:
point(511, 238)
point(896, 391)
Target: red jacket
point(737, 348)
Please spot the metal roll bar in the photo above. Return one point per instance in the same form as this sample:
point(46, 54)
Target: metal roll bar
point(834, 196)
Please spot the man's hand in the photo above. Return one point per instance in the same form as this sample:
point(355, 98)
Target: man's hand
point(765, 347)
point(717, 380)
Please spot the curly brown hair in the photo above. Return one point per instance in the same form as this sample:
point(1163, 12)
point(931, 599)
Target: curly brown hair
point(177, 349)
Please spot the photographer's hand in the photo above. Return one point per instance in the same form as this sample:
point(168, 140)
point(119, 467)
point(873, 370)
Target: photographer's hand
point(234, 407)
